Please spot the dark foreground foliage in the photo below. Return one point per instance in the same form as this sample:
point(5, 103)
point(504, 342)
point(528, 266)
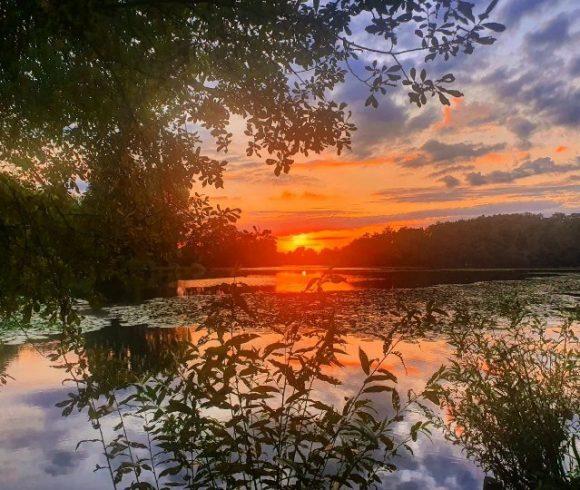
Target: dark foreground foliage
point(223, 412)
point(226, 405)
point(511, 397)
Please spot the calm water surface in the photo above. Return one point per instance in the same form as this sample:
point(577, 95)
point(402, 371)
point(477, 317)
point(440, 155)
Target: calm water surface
point(38, 448)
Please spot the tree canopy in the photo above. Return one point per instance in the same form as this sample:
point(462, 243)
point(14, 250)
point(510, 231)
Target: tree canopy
point(113, 103)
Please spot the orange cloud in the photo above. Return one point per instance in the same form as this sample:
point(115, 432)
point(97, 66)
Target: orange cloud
point(305, 196)
point(448, 114)
point(561, 149)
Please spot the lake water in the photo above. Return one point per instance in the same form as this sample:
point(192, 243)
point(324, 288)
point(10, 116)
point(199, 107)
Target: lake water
point(38, 447)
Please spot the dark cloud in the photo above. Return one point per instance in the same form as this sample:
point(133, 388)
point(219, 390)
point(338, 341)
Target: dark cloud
point(521, 127)
point(450, 181)
point(574, 67)
point(453, 168)
point(555, 33)
point(529, 168)
point(441, 154)
point(426, 118)
point(61, 462)
point(437, 194)
point(374, 125)
point(515, 11)
point(548, 96)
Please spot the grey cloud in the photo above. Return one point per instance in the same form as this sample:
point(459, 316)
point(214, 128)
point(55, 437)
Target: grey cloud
point(574, 67)
point(554, 33)
point(437, 194)
point(521, 127)
point(477, 210)
point(427, 117)
point(438, 153)
point(516, 10)
point(450, 181)
point(527, 169)
point(452, 168)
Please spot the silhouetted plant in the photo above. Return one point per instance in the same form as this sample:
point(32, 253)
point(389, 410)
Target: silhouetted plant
point(512, 395)
point(229, 413)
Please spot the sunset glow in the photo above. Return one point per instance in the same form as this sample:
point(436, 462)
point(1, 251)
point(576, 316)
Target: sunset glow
point(498, 149)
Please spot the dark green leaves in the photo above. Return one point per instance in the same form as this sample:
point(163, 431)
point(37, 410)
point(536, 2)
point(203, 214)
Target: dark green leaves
point(364, 360)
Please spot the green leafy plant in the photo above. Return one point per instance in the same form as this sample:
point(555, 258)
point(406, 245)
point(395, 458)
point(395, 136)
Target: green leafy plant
point(512, 395)
point(231, 412)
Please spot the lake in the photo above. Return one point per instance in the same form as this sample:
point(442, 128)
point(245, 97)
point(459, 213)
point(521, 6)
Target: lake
point(129, 344)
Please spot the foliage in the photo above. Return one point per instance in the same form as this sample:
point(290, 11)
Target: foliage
point(118, 83)
point(229, 413)
point(105, 108)
point(54, 246)
point(511, 396)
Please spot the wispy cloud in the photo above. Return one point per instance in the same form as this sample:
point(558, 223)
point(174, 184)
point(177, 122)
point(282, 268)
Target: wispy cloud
point(530, 168)
point(440, 154)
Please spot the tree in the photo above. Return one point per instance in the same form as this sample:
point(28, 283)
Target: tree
point(122, 96)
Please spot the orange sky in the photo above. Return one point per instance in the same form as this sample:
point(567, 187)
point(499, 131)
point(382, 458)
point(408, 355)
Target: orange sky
point(511, 144)
point(328, 201)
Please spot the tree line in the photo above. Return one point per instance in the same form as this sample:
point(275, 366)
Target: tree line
point(504, 240)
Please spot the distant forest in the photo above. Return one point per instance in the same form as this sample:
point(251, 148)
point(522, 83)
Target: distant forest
point(505, 240)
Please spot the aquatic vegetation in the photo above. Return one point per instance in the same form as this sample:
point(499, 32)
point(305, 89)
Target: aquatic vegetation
point(511, 395)
point(230, 412)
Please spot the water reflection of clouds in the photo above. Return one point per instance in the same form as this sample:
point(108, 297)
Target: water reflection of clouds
point(38, 445)
point(37, 448)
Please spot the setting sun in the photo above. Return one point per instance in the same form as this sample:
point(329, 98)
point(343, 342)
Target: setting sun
point(292, 242)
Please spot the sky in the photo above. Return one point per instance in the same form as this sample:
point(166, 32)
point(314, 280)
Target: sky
point(511, 144)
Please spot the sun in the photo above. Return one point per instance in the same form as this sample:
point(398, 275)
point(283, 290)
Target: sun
point(300, 240)
point(288, 243)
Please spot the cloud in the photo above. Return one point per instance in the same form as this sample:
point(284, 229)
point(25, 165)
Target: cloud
point(437, 153)
point(574, 67)
point(437, 194)
point(554, 34)
point(450, 181)
point(453, 168)
point(521, 127)
point(332, 163)
point(304, 196)
point(516, 10)
point(527, 169)
point(461, 116)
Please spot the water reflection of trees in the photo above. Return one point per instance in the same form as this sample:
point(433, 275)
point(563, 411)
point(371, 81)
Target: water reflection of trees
point(132, 351)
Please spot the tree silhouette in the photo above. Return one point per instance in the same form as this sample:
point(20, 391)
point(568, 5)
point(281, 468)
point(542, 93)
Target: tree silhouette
point(112, 104)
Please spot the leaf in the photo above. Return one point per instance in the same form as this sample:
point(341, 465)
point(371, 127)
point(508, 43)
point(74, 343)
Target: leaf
point(243, 338)
point(495, 26)
point(431, 396)
point(364, 361)
point(372, 101)
point(396, 400)
point(490, 7)
point(485, 40)
point(388, 374)
point(377, 389)
point(416, 426)
point(264, 389)
point(444, 100)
